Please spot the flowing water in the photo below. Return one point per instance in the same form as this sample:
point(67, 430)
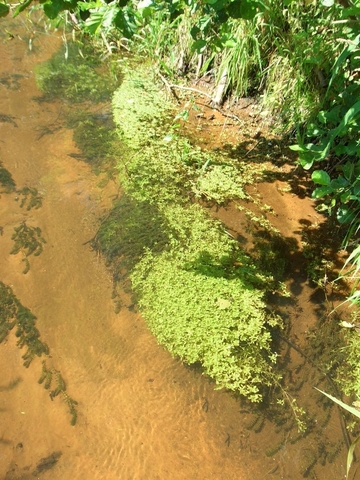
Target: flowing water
point(141, 414)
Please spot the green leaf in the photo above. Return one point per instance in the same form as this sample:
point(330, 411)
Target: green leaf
point(199, 45)
point(53, 8)
point(94, 22)
point(345, 215)
point(339, 183)
point(246, 9)
point(4, 9)
point(22, 7)
point(320, 192)
point(306, 160)
point(350, 409)
point(321, 177)
point(355, 412)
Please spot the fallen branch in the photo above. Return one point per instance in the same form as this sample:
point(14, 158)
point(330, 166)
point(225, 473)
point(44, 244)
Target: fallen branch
point(172, 87)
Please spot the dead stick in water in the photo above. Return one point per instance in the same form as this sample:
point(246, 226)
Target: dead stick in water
point(172, 87)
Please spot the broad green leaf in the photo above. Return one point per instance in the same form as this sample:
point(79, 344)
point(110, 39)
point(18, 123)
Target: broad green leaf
point(306, 160)
point(320, 192)
point(321, 177)
point(246, 9)
point(4, 10)
point(94, 22)
point(339, 183)
point(298, 148)
point(199, 45)
point(109, 16)
point(52, 9)
point(350, 12)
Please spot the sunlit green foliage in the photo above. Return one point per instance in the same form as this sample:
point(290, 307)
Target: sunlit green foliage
point(208, 318)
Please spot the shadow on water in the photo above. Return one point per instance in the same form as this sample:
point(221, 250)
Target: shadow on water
point(11, 385)
point(131, 228)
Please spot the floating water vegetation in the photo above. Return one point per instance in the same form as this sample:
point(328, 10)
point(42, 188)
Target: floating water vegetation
point(14, 314)
point(81, 77)
point(28, 240)
point(201, 295)
point(11, 81)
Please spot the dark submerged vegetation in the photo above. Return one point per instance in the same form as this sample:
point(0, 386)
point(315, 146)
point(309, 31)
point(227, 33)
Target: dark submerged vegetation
point(14, 314)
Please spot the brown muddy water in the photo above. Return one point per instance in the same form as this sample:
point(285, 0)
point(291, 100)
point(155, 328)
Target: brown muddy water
point(141, 414)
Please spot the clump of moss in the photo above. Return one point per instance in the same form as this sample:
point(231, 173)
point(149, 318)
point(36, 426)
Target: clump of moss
point(197, 289)
point(46, 463)
point(131, 228)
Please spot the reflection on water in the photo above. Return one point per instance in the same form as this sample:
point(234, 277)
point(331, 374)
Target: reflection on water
point(141, 414)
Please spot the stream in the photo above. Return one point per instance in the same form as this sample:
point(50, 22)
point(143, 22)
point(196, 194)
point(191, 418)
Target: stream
point(141, 414)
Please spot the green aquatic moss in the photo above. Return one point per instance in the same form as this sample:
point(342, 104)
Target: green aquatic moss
point(199, 292)
point(30, 198)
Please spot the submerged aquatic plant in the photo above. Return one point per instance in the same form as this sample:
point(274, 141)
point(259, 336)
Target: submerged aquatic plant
point(27, 240)
point(14, 314)
point(7, 183)
point(80, 77)
point(30, 197)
